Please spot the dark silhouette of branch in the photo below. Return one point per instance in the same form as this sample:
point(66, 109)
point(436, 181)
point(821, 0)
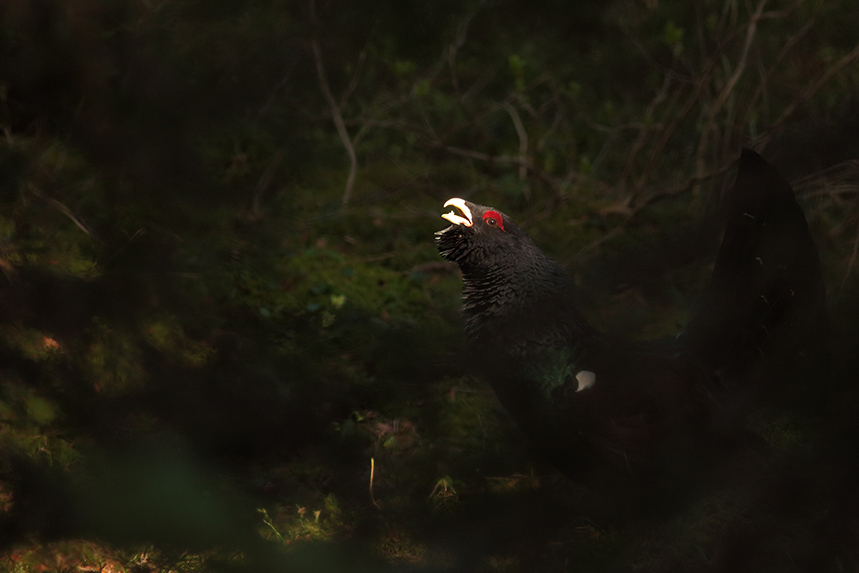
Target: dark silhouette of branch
point(338, 121)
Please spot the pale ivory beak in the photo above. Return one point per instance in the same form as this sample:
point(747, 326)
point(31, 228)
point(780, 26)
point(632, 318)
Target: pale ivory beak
point(453, 217)
point(586, 379)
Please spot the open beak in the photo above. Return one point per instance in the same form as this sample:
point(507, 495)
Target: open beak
point(457, 219)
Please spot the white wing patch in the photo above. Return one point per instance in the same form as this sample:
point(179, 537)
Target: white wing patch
point(586, 379)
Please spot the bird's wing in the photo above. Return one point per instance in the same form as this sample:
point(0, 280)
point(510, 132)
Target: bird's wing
point(764, 308)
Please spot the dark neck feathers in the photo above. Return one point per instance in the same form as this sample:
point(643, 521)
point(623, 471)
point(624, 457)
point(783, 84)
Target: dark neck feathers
point(521, 303)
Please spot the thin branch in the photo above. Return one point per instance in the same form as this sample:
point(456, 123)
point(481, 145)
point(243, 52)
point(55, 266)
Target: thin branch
point(534, 170)
point(362, 57)
point(665, 134)
point(338, 121)
point(580, 255)
point(457, 43)
point(523, 141)
point(589, 121)
point(513, 97)
point(631, 212)
point(764, 82)
point(139, 231)
point(835, 191)
point(60, 207)
point(646, 128)
point(680, 189)
point(561, 120)
point(806, 95)
point(265, 181)
point(477, 85)
point(849, 168)
point(716, 107)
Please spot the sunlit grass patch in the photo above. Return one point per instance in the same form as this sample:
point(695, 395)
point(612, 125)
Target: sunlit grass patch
point(303, 523)
point(80, 555)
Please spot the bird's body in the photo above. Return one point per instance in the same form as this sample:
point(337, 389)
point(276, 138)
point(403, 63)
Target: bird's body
point(581, 394)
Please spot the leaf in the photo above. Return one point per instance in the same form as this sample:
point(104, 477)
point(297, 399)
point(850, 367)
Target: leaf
point(40, 410)
point(673, 36)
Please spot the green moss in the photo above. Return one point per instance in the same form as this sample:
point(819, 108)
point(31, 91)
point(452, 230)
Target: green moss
point(30, 343)
point(784, 431)
point(167, 336)
point(469, 414)
point(399, 546)
point(28, 425)
point(113, 360)
point(326, 283)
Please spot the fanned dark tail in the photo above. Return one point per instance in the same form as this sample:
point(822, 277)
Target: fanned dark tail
point(763, 316)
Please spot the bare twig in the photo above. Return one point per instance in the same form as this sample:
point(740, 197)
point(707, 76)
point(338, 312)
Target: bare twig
point(835, 191)
point(265, 181)
point(680, 189)
point(523, 141)
point(806, 95)
point(139, 231)
point(338, 121)
point(667, 128)
point(764, 81)
point(560, 121)
point(674, 119)
point(580, 255)
point(533, 169)
point(631, 211)
point(728, 88)
point(457, 43)
point(645, 129)
point(362, 57)
point(60, 207)
point(513, 97)
point(835, 183)
point(477, 85)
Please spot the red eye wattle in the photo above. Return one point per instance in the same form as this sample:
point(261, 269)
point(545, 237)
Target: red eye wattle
point(493, 219)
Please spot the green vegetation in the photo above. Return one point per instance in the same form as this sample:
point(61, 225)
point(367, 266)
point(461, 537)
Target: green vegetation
point(227, 341)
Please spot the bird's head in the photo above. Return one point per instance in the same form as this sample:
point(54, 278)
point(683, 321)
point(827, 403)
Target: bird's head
point(513, 295)
point(480, 236)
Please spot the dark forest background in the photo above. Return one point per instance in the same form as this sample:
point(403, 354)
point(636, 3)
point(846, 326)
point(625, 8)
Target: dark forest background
point(227, 341)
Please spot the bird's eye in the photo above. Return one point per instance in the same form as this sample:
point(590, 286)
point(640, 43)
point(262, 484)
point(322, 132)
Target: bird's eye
point(493, 219)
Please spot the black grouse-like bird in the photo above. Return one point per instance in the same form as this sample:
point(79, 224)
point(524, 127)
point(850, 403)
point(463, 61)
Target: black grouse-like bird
point(582, 395)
